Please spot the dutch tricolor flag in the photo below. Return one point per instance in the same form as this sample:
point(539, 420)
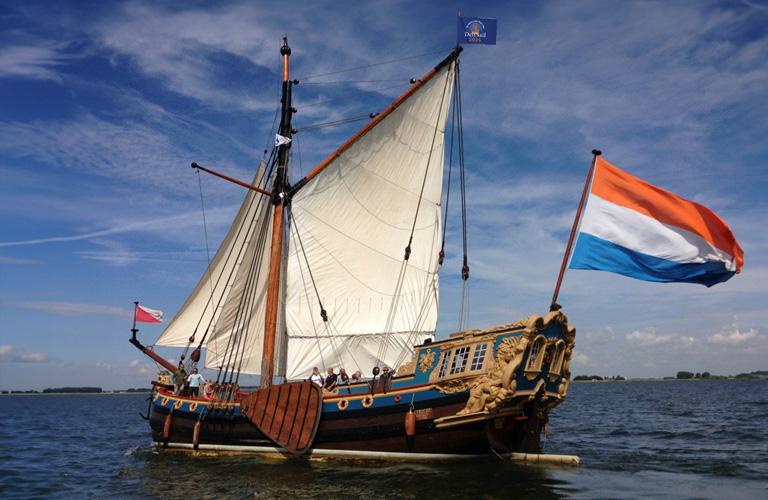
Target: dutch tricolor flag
point(635, 229)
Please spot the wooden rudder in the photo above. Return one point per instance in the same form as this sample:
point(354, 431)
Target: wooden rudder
point(288, 414)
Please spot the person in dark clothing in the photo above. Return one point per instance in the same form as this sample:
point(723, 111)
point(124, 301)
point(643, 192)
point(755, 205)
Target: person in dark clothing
point(179, 377)
point(330, 380)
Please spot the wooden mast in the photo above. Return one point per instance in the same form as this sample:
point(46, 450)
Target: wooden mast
point(278, 227)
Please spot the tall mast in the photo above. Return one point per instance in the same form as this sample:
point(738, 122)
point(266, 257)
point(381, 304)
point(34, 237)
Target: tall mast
point(278, 227)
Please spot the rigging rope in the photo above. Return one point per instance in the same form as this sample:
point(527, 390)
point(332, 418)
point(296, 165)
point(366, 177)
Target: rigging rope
point(465, 266)
point(248, 226)
point(342, 121)
point(208, 256)
point(347, 95)
point(441, 255)
point(382, 63)
point(350, 82)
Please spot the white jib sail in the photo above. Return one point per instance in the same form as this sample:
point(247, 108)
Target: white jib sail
point(237, 340)
point(203, 304)
point(354, 220)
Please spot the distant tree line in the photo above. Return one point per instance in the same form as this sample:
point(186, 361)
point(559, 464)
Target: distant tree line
point(689, 375)
point(78, 390)
point(596, 377)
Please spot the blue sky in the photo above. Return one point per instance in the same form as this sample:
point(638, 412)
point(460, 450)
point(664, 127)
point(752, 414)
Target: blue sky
point(103, 105)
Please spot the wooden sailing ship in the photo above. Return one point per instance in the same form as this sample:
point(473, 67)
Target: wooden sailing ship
point(340, 269)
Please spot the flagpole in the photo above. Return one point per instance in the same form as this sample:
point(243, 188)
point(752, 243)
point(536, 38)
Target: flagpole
point(134, 330)
point(554, 306)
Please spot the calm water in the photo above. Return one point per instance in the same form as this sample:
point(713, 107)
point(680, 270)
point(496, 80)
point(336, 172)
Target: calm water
point(681, 439)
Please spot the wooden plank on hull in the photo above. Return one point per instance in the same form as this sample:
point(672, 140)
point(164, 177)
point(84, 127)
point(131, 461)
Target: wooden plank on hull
point(288, 414)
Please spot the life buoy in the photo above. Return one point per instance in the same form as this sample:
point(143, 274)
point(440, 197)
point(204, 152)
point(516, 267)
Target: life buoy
point(343, 404)
point(367, 401)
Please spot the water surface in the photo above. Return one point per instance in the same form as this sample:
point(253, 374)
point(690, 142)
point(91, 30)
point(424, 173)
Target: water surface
point(674, 439)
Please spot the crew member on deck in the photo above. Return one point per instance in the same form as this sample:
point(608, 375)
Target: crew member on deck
point(343, 377)
point(179, 376)
point(330, 380)
point(316, 378)
point(194, 382)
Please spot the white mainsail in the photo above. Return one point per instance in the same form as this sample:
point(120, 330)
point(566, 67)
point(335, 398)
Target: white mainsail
point(354, 220)
point(213, 287)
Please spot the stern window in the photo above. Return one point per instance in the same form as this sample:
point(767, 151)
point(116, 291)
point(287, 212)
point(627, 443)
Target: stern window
point(534, 354)
point(479, 357)
point(459, 360)
point(443, 363)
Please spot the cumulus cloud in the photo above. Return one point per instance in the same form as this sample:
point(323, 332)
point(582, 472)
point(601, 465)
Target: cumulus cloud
point(581, 360)
point(734, 336)
point(648, 337)
point(10, 355)
point(140, 367)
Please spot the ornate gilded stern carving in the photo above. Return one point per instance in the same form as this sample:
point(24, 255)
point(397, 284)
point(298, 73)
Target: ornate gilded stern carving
point(499, 384)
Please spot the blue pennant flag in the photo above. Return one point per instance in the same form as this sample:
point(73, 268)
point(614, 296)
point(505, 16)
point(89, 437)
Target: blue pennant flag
point(477, 30)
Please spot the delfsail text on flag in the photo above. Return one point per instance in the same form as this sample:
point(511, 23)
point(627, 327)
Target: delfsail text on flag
point(477, 30)
point(147, 315)
point(633, 228)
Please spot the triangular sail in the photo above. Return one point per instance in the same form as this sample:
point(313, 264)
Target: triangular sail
point(236, 341)
point(354, 220)
point(201, 307)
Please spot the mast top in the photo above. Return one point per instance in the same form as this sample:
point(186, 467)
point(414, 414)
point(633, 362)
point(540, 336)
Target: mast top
point(285, 50)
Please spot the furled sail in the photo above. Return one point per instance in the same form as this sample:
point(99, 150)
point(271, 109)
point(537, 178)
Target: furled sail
point(354, 219)
point(202, 306)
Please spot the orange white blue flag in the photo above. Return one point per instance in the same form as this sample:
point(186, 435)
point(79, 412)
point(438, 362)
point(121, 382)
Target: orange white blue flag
point(633, 228)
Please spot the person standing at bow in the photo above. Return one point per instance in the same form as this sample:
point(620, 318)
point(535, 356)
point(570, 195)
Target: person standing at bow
point(179, 377)
point(195, 379)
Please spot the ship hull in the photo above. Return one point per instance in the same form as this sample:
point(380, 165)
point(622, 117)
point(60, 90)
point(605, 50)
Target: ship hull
point(440, 408)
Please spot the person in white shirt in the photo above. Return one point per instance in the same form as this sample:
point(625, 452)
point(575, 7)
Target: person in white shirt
point(316, 377)
point(195, 379)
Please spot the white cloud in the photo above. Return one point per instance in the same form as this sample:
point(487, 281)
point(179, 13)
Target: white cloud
point(14, 261)
point(36, 62)
point(648, 337)
point(140, 368)
point(9, 355)
point(581, 360)
point(73, 308)
point(734, 336)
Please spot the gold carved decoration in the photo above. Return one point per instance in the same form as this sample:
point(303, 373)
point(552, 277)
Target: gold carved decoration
point(427, 361)
point(452, 386)
point(499, 384)
point(408, 368)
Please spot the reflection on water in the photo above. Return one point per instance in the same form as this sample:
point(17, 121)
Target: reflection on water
point(703, 439)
